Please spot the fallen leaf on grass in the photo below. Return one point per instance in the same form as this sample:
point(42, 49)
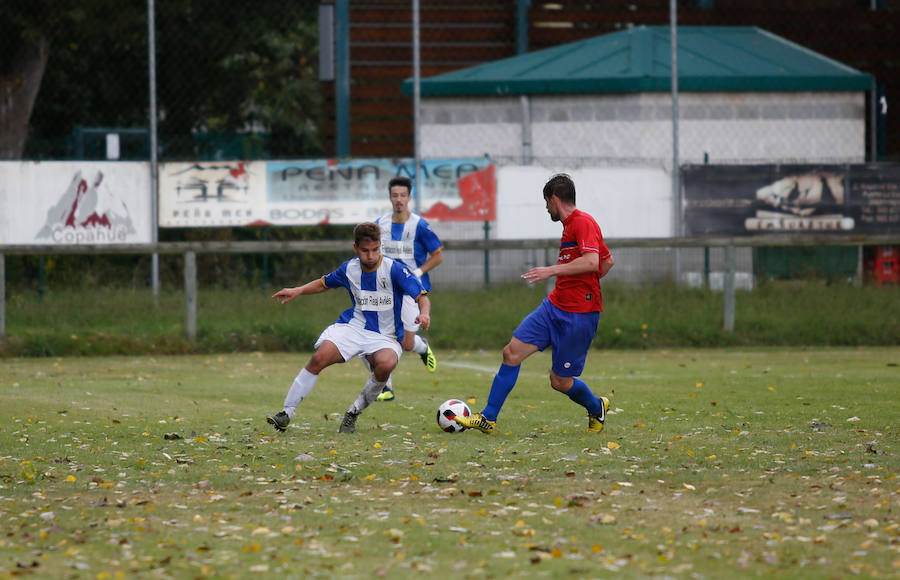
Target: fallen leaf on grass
point(870, 448)
point(604, 519)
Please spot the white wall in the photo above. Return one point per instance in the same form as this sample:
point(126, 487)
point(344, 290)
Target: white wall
point(626, 202)
point(802, 127)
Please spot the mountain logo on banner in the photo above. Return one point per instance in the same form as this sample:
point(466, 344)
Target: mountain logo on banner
point(87, 213)
point(811, 201)
point(202, 182)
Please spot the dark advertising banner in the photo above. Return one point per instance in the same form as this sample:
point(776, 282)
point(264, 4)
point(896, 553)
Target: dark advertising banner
point(735, 200)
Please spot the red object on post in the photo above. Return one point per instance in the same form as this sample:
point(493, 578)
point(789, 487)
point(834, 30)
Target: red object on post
point(887, 265)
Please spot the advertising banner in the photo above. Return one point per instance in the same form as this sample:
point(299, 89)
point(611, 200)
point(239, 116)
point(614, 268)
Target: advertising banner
point(310, 192)
point(734, 200)
point(75, 203)
point(211, 194)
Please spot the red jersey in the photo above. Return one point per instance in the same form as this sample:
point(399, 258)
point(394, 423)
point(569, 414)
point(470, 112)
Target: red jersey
point(580, 293)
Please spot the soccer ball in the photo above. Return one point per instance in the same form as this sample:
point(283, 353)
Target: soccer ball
point(447, 411)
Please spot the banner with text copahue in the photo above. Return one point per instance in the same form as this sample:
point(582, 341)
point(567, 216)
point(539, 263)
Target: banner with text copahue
point(75, 203)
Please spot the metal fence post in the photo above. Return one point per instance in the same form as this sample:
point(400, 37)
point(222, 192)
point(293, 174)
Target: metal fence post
point(2, 298)
point(728, 290)
point(342, 82)
point(190, 295)
point(487, 255)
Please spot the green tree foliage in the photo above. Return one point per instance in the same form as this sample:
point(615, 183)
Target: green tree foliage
point(284, 96)
point(241, 68)
point(230, 68)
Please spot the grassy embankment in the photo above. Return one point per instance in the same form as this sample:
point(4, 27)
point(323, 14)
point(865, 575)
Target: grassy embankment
point(127, 321)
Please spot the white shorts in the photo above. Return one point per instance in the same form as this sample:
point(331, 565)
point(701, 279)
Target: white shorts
point(352, 341)
point(408, 313)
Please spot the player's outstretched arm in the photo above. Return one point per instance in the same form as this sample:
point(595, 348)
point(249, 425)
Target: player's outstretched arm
point(285, 295)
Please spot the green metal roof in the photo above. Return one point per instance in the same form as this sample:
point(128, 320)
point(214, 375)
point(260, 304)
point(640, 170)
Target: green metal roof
point(710, 58)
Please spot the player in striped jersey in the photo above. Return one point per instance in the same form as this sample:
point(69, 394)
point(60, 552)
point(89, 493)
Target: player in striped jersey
point(371, 327)
point(407, 237)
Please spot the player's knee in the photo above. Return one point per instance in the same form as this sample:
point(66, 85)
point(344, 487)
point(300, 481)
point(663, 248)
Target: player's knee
point(561, 384)
point(383, 371)
point(511, 357)
point(316, 364)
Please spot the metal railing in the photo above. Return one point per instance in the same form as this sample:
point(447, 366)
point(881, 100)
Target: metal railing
point(190, 250)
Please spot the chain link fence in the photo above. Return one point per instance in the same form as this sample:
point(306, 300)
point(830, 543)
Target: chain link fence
point(240, 80)
point(235, 81)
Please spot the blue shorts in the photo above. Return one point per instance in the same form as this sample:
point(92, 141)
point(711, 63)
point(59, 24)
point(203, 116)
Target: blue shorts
point(568, 334)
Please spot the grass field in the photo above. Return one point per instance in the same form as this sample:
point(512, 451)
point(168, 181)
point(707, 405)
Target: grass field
point(714, 463)
point(102, 320)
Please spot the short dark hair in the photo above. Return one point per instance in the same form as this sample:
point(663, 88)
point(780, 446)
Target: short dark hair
point(562, 186)
point(402, 181)
point(368, 231)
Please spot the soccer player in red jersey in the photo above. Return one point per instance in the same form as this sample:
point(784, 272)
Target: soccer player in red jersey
point(566, 320)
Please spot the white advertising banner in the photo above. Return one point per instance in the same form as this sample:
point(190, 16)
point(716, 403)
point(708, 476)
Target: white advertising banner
point(317, 191)
point(75, 203)
point(626, 202)
point(212, 194)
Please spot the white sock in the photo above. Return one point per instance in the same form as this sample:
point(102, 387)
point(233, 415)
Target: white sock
point(303, 384)
point(368, 395)
point(419, 345)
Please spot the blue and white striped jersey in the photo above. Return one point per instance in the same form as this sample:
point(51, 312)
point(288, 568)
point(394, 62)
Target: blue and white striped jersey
point(409, 242)
point(377, 296)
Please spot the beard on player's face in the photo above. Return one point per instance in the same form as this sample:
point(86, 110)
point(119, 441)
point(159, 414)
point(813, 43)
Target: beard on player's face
point(552, 209)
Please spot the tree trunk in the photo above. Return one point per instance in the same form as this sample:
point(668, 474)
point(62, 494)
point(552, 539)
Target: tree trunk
point(18, 91)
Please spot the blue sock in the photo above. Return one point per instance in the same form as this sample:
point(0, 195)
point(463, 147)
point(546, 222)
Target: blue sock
point(581, 394)
point(503, 384)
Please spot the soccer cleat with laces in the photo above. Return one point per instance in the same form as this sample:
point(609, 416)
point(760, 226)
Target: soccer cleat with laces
point(280, 420)
point(385, 395)
point(476, 421)
point(428, 358)
point(596, 422)
point(348, 425)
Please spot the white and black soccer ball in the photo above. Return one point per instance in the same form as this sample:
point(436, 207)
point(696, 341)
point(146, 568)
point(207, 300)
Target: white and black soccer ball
point(447, 411)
